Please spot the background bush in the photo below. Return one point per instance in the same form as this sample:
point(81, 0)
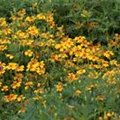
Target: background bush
point(98, 20)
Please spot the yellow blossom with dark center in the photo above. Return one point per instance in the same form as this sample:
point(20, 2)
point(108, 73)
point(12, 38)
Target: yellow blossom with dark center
point(59, 87)
point(28, 53)
point(33, 30)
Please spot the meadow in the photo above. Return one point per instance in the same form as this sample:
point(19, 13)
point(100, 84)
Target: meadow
point(59, 60)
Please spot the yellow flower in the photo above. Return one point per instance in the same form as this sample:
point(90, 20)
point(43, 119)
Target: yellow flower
point(54, 58)
point(18, 76)
point(7, 41)
point(36, 66)
point(4, 88)
point(7, 31)
point(108, 54)
point(3, 22)
point(12, 66)
point(37, 98)
point(20, 98)
point(44, 103)
point(41, 64)
point(105, 64)
point(21, 12)
point(77, 92)
point(20, 68)
point(100, 98)
point(59, 87)
point(10, 97)
point(33, 30)
point(40, 71)
point(50, 20)
point(3, 47)
point(88, 88)
point(100, 118)
point(38, 91)
point(93, 74)
point(92, 25)
point(117, 36)
point(9, 56)
point(21, 35)
point(80, 72)
point(40, 44)
point(30, 19)
point(28, 53)
point(41, 16)
point(114, 62)
point(72, 77)
point(16, 84)
point(38, 84)
point(29, 83)
point(85, 13)
point(13, 17)
point(110, 114)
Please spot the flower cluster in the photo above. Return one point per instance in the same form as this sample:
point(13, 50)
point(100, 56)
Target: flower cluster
point(36, 55)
